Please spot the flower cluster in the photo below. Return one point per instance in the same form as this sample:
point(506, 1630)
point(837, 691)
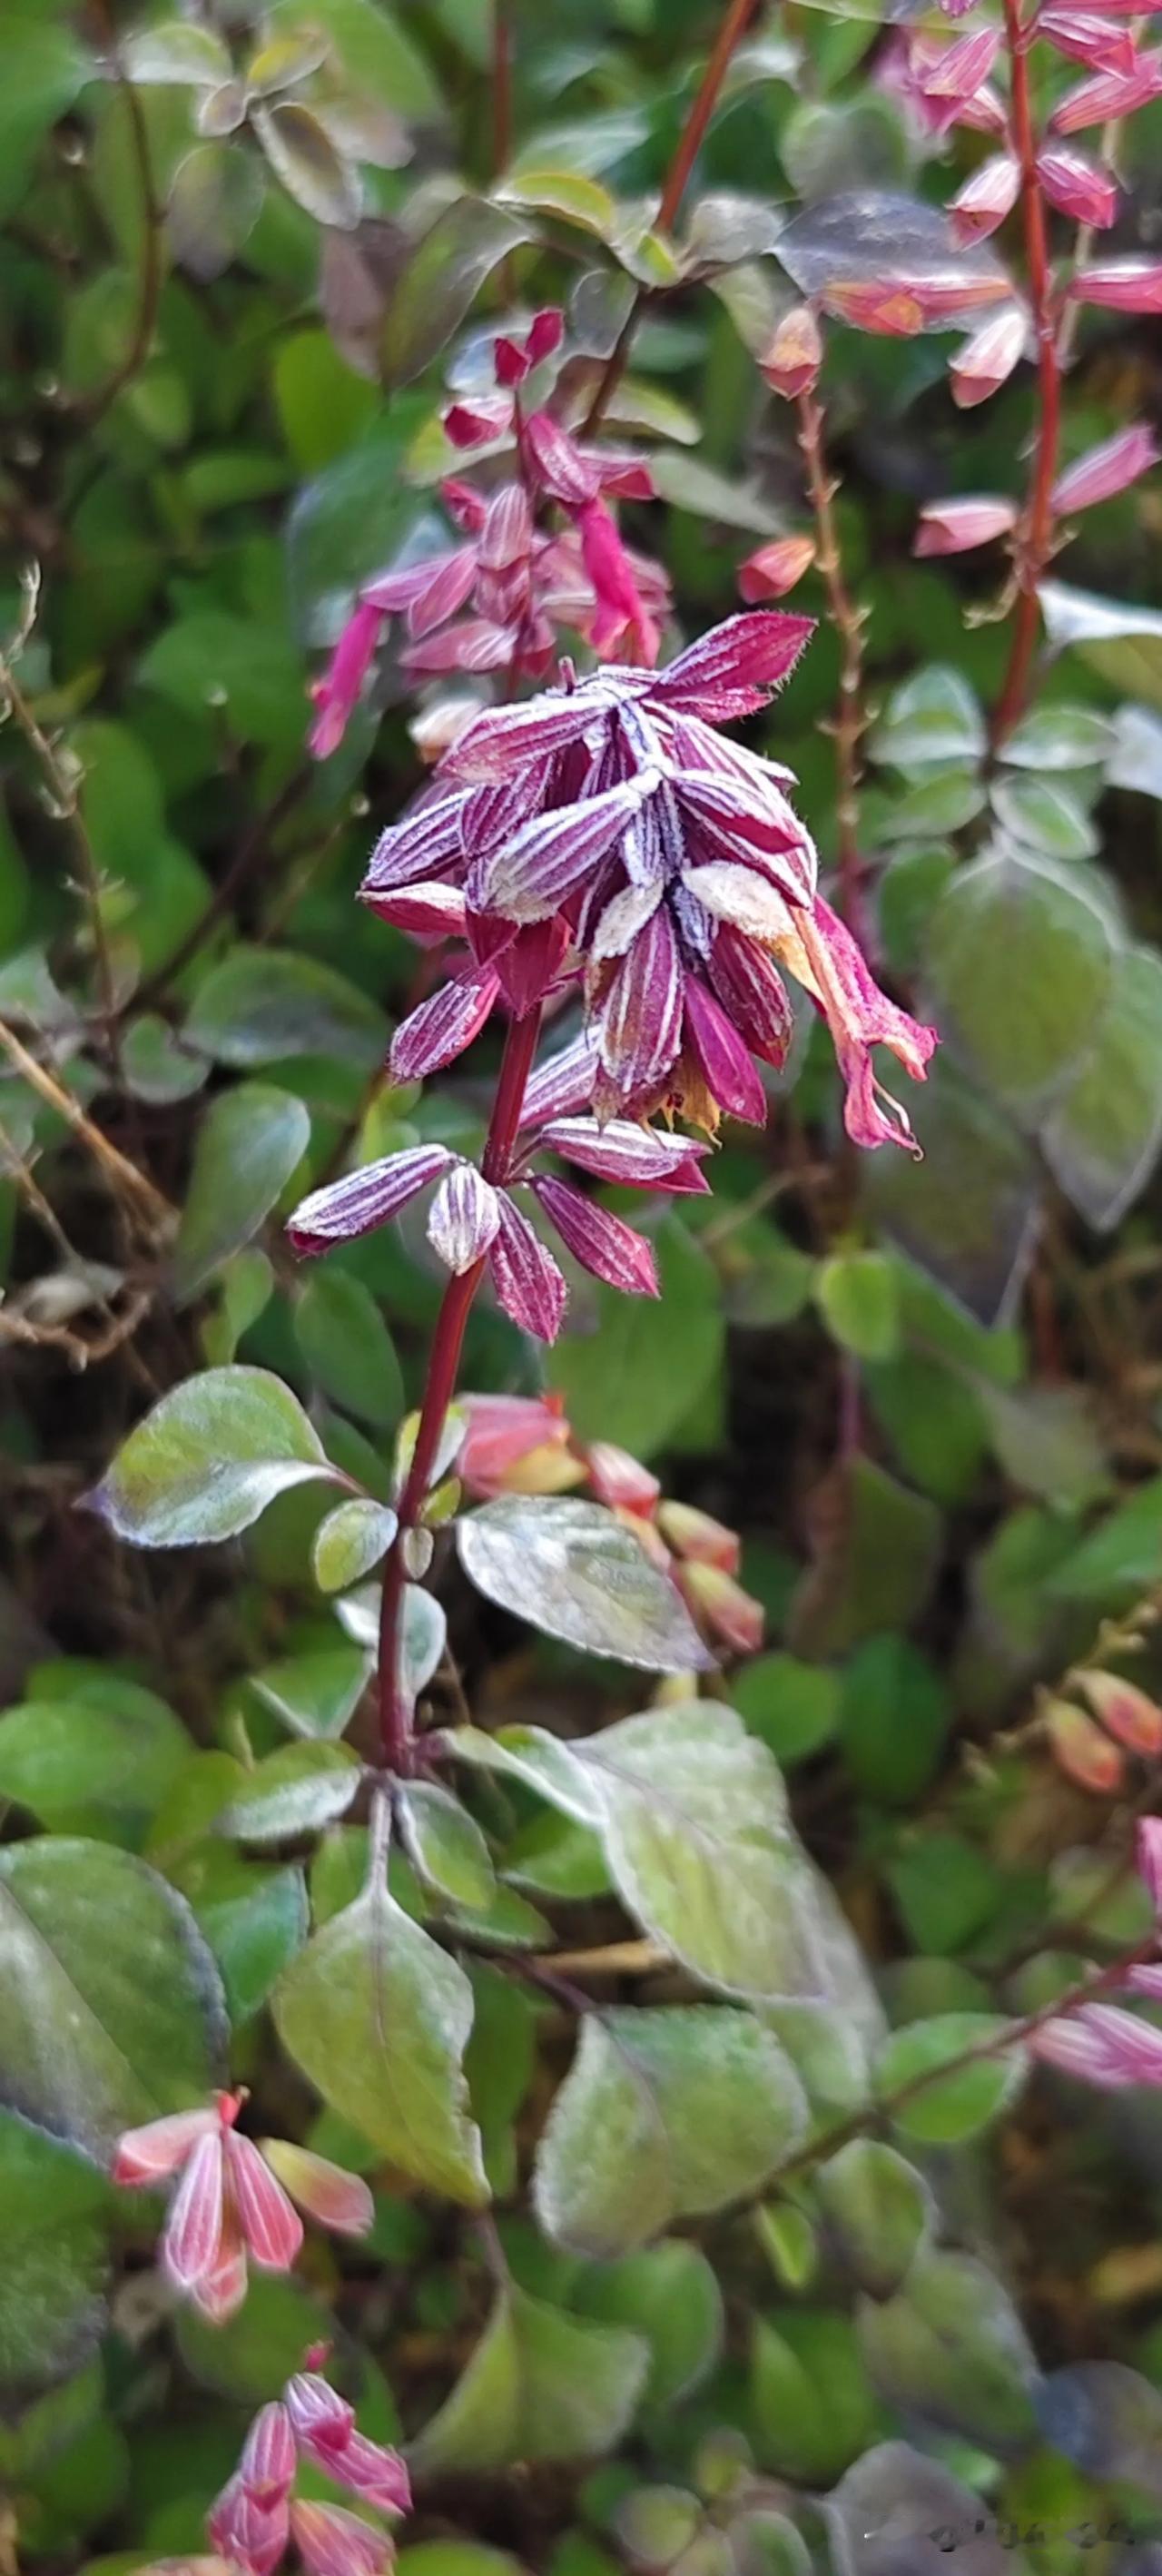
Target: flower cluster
point(1102, 2043)
point(257, 2516)
point(605, 836)
point(498, 601)
point(524, 1445)
point(234, 2199)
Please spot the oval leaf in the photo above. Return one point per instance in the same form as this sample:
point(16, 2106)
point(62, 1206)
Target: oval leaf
point(208, 1460)
point(248, 1144)
point(572, 1569)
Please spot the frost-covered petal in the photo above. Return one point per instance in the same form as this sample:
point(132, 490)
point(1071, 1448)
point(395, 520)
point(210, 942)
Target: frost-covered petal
point(560, 467)
point(752, 993)
point(640, 1022)
point(1120, 285)
point(528, 1284)
point(623, 1151)
point(503, 739)
point(742, 897)
point(366, 1198)
point(527, 880)
point(464, 1219)
point(271, 2226)
point(1077, 187)
point(732, 670)
point(442, 1027)
point(622, 919)
point(427, 911)
point(421, 846)
point(1103, 2045)
point(761, 832)
point(151, 2154)
point(720, 1055)
point(474, 644)
point(603, 1244)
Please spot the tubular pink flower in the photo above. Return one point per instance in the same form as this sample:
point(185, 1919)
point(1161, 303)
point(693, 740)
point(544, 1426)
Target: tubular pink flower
point(1085, 37)
point(337, 693)
point(229, 2203)
point(1107, 469)
point(528, 1284)
point(1077, 187)
point(956, 527)
point(986, 360)
point(622, 616)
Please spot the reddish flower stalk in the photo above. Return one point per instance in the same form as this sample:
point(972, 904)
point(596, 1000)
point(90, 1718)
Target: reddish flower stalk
point(736, 19)
point(848, 622)
point(1037, 540)
point(395, 1709)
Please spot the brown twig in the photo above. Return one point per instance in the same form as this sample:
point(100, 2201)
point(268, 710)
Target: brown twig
point(126, 1182)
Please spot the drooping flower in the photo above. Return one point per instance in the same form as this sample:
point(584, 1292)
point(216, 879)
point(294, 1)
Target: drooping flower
point(234, 2199)
point(256, 2516)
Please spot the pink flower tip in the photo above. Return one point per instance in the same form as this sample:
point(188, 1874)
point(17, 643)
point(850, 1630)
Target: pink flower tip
point(956, 527)
point(774, 569)
point(791, 364)
point(620, 1480)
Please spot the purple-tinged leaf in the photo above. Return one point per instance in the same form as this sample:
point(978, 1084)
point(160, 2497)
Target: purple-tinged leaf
point(416, 847)
point(602, 1243)
point(364, 1199)
point(1107, 2419)
point(527, 1281)
point(563, 1083)
point(732, 670)
point(527, 880)
point(641, 1020)
point(464, 1219)
point(441, 1028)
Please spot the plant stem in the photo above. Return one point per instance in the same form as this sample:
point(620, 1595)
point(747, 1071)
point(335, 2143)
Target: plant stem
point(395, 1710)
point(735, 21)
point(848, 622)
point(1037, 530)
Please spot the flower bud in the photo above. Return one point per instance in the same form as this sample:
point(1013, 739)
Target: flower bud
point(1126, 1712)
point(721, 1606)
point(955, 527)
point(331, 2542)
point(1091, 40)
point(1121, 285)
point(986, 198)
point(1107, 469)
point(1148, 1858)
point(985, 361)
point(696, 1535)
point(327, 2193)
point(1084, 1754)
point(1077, 187)
point(792, 362)
point(619, 1480)
point(774, 569)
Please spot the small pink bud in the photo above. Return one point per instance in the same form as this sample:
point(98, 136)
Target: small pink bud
point(545, 334)
point(1090, 40)
point(1084, 1754)
point(331, 2542)
point(985, 361)
point(1121, 285)
point(504, 1433)
point(322, 2422)
point(955, 527)
point(334, 2198)
point(510, 361)
point(251, 2534)
point(267, 2465)
point(1107, 469)
point(698, 1536)
point(792, 362)
point(721, 1605)
point(143, 2157)
point(619, 1480)
point(1126, 1712)
point(1148, 1855)
point(985, 199)
point(774, 569)
point(1077, 187)
point(470, 424)
point(1109, 97)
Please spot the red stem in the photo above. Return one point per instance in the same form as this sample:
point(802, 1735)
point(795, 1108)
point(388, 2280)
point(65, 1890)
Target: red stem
point(736, 19)
point(395, 1710)
point(1037, 534)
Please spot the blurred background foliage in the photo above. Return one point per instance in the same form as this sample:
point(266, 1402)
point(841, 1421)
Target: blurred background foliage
point(242, 263)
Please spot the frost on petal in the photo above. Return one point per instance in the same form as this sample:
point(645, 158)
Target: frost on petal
point(528, 879)
point(740, 896)
point(721, 1056)
point(428, 911)
point(267, 2465)
point(623, 1151)
point(563, 1083)
point(504, 739)
point(464, 1218)
point(327, 2193)
point(757, 827)
point(639, 1027)
point(321, 2420)
point(193, 2229)
point(151, 2154)
point(417, 847)
point(528, 1284)
point(986, 360)
point(365, 1198)
point(271, 2226)
point(441, 1028)
point(331, 2542)
point(752, 994)
point(250, 2533)
point(473, 644)
point(986, 198)
point(732, 670)
point(602, 1243)
point(368, 2469)
point(446, 588)
point(622, 919)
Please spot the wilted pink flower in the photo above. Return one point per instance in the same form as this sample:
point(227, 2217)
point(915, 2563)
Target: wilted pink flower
point(986, 360)
point(1122, 285)
point(1101, 2045)
point(1107, 469)
point(986, 198)
point(955, 527)
point(791, 364)
point(1077, 187)
point(229, 2203)
point(775, 568)
point(515, 1444)
point(1127, 1713)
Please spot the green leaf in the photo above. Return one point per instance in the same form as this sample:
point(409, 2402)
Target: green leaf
point(208, 1459)
point(1044, 816)
point(263, 1003)
point(856, 1296)
point(302, 155)
point(348, 1349)
point(669, 2294)
point(323, 405)
point(572, 1569)
point(1118, 1562)
point(626, 1371)
point(175, 51)
point(966, 1213)
point(214, 203)
point(445, 1844)
point(687, 483)
point(934, 806)
point(946, 1888)
point(811, 2406)
point(1058, 737)
point(317, 1693)
point(350, 1541)
point(295, 1791)
point(1121, 641)
point(379, 58)
point(894, 1720)
point(879, 2211)
point(157, 1067)
point(278, 2320)
point(877, 1551)
point(115, 1757)
point(254, 1918)
point(933, 722)
point(377, 2016)
point(540, 2386)
point(1103, 1136)
point(577, 200)
point(1022, 962)
point(111, 2007)
point(45, 66)
point(249, 1142)
point(1047, 1440)
point(946, 2109)
point(663, 2115)
point(793, 1706)
point(949, 2347)
point(53, 2260)
point(441, 279)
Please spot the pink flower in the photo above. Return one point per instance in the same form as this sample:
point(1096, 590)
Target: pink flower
point(956, 527)
point(1091, 39)
point(229, 2203)
point(1107, 469)
point(792, 362)
point(1122, 285)
point(1102, 2045)
point(1127, 1713)
point(986, 360)
point(622, 616)
point(1109, 96)
point(336, 694)
point(986, 198)
point(256, 2516)
point(619, 1480)
point(824, 956)
point(1077, 187)
point(1149, 1858)
point(774, 569)
point(515, 1444)
point(698, 1537)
